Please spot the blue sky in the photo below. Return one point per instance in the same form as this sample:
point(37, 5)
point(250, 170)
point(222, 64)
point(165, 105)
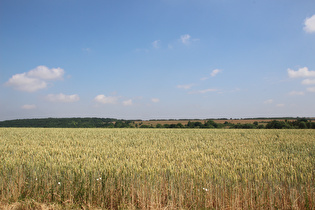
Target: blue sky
point(157, 59)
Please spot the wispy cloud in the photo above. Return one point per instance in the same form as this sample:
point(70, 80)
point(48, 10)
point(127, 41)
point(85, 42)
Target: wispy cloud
point(106, 99)
point(156, 44)
point(212, 74)
point(309, 24)
point(269, 101)
point(202, 91)
point(185, 39)
point(235, 90)
point(35, 79)
point(155, 100)
point(280, 105)
point(296, 93)
point(186, 87)
point(308, 82)
point(311, 89)
point(215, 72)
point(302, 72)
point(204, 78)
point(28, 106)
point(62, 98)
point(127, 102)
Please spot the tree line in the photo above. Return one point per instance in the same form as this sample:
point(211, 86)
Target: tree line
point(68, 123)
point(299, 123)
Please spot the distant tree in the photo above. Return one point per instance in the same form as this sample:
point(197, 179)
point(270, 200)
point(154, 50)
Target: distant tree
point(260, 126)
point(302, 120)
point(146, 126)
point(198, 125)
point(277, 125)
point(159, 125)
point(189, 124)
point(118, 124)
point(110, 125)
point(166, 125)
point(211, 124)
point(302, 125)
point(248, 126)
point(172, 126)
point(179, 125)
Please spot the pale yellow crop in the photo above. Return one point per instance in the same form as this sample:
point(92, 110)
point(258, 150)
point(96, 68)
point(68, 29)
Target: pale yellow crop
point(159, 168)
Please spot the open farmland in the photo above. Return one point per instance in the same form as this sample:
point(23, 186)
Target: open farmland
point(262, 121)
point(157, 168)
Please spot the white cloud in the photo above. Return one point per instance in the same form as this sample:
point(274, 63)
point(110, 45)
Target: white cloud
point(186, 87)
point(35, 79)
point(311, 89)
point(28, 106)
point(309, 24)
point(280, 105)
point(212, 74)
point(296, 93)
point(202, 91)
point(106, 99)
point(127, 102)
point(62, 98)
point(155, 100)
point(156, 44)
point(43, 72)
point(215, 72)
point(185, 39)
point(204, 78)
point(24, 83)
point(269, 101)
point(308, 82)
point(302, 72)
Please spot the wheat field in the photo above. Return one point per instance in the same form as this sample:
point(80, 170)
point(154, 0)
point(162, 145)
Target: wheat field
point(156, 169)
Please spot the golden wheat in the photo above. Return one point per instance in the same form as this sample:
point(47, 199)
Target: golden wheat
point(159, 168)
